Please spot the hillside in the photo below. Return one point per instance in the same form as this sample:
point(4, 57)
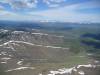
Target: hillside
point(45, 51)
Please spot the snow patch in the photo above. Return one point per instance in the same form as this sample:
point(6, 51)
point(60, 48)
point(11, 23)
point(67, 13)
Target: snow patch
point(8, 43)
point(20, 68)
point(19, 62)
point(39, 34)
point(62, 71)
point(3, 62)
point(4, 31)
point(45, 34)
point(87, 66)
point(5, 58)
point(96, 61)
point(17, 32)
point(40, 74)
point(3, 53)
point(70, 70)
point(81, 73)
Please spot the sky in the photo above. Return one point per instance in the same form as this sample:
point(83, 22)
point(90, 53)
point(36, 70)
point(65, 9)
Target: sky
point(50, 10)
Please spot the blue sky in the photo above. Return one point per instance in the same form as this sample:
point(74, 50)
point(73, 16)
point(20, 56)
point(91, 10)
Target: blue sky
point(59, 10)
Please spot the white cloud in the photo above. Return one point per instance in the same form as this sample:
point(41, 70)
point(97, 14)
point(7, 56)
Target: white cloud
point(69, 14)
point(21, 4)
point(90, 4)
point(53, 3)
point(6, 15)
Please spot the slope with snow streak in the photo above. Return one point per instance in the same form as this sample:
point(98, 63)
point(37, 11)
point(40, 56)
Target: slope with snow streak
point(82, 70)
point(74, 70)
point(35, 37)
point(20, 68)
point(12, 42)
point(33, 52)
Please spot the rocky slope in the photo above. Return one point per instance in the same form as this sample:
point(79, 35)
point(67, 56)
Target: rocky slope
point(27, 52)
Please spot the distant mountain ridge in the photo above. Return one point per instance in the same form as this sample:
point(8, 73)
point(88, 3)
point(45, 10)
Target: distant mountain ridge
point(42, 25)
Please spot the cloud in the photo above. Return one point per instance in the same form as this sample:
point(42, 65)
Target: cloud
point(1, 8)
point(70, 13)
point(32, 4)
point(7, 15)
point(53, 3)
point(3, 1)
point(90, 4)
point(21, 4)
